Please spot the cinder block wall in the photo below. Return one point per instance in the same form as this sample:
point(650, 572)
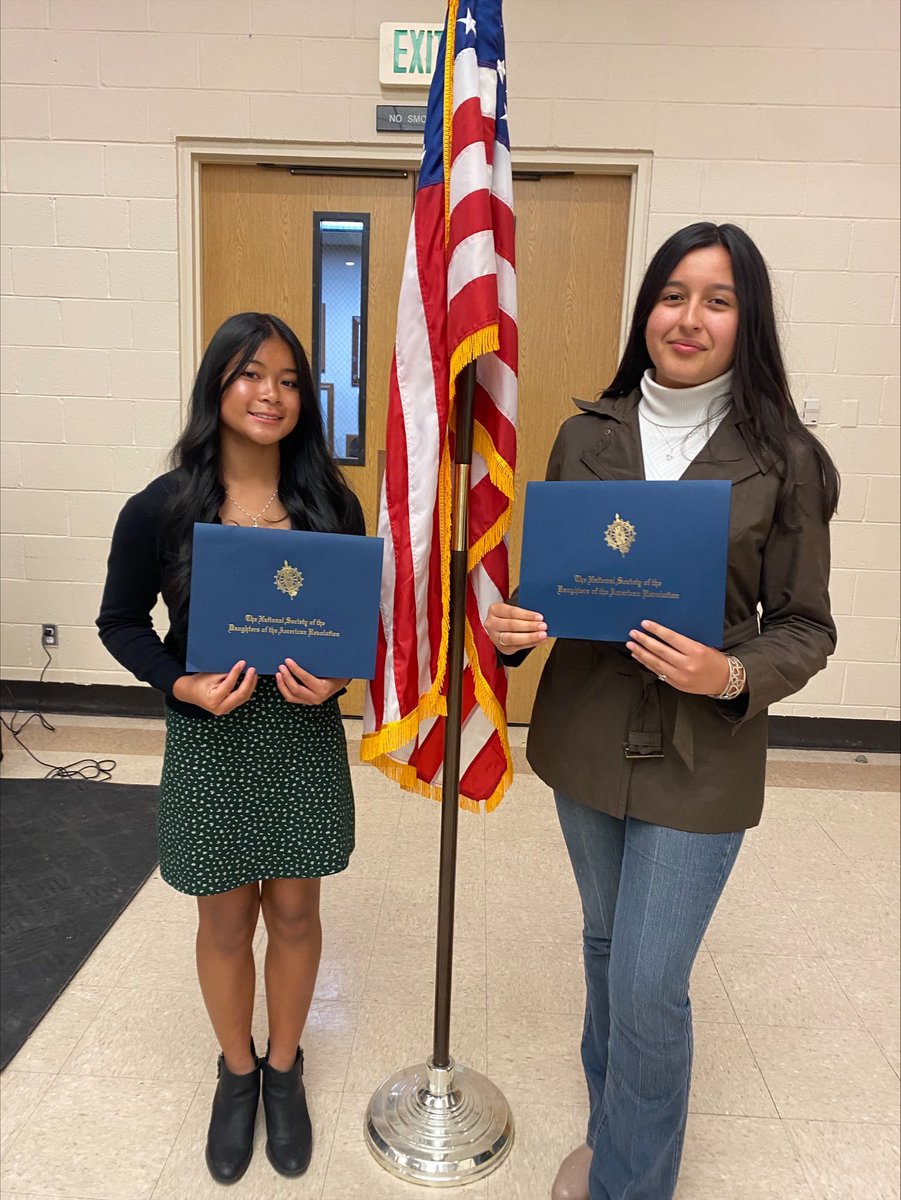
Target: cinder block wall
point(779, 114)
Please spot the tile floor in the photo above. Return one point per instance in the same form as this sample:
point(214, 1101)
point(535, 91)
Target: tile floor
point(796, 995)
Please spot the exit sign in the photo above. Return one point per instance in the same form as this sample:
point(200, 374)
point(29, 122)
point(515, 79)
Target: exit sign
point(408, 53)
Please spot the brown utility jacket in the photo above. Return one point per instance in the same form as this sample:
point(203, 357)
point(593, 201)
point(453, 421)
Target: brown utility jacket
point(605, 731)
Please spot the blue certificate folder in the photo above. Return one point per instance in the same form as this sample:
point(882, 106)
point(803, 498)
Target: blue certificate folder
point(598, 558)
point(265, 595)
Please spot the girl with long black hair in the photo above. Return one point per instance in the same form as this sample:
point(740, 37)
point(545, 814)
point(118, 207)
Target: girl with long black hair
point(656, 748)
point(255, 798)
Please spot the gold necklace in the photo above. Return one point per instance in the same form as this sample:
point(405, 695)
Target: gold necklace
point(255, 520)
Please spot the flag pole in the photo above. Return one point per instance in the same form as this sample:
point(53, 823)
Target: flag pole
point(439, 1123)
point(450, 785)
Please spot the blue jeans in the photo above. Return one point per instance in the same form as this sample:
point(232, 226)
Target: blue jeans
point(648, 894)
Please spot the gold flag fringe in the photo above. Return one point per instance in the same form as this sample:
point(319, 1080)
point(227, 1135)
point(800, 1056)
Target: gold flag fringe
point(396, 734)
point(501, 475)
point(473, 346)
point(492, 709)
point(499, 470)
point(449, 56)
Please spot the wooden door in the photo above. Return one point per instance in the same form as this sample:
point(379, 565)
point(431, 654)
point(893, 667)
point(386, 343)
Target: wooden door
point(571, 233)
point(257, 255)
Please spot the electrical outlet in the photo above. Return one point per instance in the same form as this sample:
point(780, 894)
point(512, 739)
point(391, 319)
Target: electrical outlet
point(49, 635)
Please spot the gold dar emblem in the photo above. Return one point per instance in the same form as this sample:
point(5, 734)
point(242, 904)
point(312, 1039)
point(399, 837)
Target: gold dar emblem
point(288, 580)
point(620, 535)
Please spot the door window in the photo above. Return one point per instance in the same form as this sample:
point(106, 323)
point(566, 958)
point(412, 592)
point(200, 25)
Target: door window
point(340, 302)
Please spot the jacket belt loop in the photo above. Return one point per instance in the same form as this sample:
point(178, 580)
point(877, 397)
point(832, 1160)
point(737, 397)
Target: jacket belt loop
point(645, 736)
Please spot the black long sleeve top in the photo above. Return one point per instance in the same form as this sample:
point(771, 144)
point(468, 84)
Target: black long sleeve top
point(135, 581)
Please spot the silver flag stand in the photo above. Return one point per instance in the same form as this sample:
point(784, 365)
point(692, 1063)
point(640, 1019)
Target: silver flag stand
point(439, 1123)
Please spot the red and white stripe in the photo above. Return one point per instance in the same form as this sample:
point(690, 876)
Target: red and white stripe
point(458, 290)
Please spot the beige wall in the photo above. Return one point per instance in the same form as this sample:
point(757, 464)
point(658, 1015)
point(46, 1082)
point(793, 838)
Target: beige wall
point(779, 114)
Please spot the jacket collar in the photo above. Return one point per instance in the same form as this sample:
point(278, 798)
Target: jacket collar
point(614, 451)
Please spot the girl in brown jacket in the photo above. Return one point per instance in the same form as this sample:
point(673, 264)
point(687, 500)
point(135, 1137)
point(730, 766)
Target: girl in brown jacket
point(656, 748)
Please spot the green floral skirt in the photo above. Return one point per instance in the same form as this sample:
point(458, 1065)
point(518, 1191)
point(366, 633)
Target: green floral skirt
point(261, 793)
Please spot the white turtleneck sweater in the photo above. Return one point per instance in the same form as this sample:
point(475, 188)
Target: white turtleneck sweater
point(676, 423)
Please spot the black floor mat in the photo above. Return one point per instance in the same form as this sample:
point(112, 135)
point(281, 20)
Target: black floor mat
point(72, 855)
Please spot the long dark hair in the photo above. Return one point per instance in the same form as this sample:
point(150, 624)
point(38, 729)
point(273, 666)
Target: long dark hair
point(760, 390)
point(310, 484)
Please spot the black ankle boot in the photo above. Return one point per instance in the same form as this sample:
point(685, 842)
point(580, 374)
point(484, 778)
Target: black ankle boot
point(229, 1145)
point(289, 1133)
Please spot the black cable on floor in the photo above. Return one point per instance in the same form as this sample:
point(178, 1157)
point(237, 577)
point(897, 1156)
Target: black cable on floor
point(84, 768)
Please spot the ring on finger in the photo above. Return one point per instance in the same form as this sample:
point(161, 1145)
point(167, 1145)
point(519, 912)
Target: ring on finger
point(502, 639)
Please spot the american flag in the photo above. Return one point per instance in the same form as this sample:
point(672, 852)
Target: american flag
point(457, 303)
